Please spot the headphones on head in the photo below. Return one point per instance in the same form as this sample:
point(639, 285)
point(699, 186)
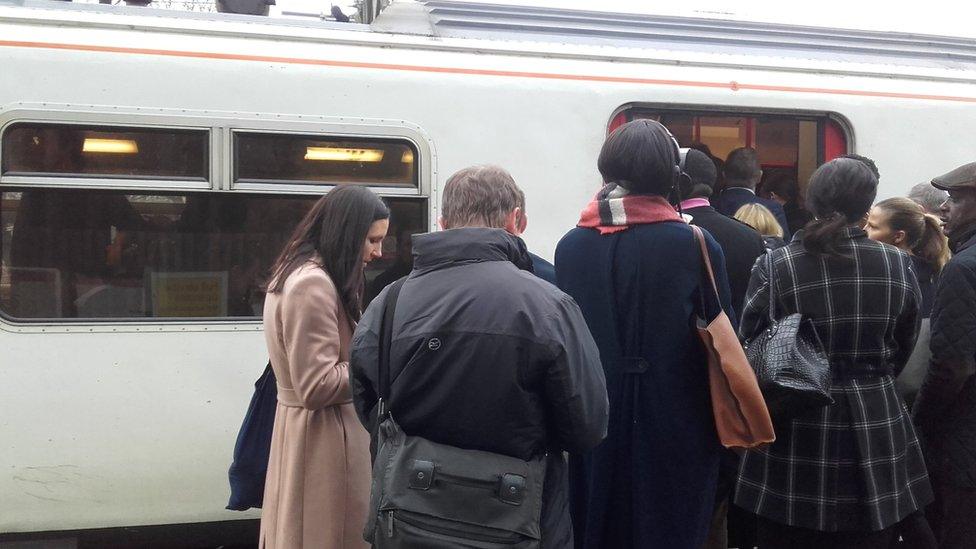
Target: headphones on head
point(679, 160)
point(680, 180)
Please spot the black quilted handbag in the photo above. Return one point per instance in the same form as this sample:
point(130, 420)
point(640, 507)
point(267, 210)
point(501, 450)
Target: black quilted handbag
point(790, 363)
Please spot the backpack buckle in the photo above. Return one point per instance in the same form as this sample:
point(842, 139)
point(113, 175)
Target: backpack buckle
point(421, 474)
point(511, 489)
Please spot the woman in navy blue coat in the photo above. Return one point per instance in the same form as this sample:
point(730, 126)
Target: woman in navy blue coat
point(634, 268)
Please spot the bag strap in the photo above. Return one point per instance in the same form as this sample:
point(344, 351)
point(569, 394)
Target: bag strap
point(386, 341)
point(707, 264)
point(772, 282)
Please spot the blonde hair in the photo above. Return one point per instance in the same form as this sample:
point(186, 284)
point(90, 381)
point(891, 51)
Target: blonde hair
point(923, 232)
point(760, 218)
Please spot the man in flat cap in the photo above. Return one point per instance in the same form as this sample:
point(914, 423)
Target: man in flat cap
point(945, 409)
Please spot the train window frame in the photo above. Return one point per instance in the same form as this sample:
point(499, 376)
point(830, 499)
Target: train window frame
point(842, 122)
point(297, 185)
point(103, 180)
point(332, 127)
point(221, 126)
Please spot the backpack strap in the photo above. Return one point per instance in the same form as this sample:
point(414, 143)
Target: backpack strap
point(385, 342)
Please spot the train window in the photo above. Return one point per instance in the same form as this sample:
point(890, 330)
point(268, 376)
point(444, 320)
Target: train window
point(94, 254)
point(63, 150)
point(788, 145)
point(304, 159)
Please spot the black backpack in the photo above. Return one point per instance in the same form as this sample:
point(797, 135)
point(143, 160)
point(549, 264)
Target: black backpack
point(434, 496)
point(253, 446)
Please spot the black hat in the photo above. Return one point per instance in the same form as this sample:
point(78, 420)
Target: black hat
point(700, 168)
point(960, 178)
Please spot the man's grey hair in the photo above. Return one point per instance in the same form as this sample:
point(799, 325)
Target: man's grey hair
point(480, 196)
point(928, 197)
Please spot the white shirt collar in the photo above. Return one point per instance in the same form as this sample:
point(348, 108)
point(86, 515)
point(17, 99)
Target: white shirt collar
point(744, 189)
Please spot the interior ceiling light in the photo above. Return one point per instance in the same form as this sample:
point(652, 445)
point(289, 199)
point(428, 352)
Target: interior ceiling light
point(110, 146)
point(407, 157)
point(334, 154)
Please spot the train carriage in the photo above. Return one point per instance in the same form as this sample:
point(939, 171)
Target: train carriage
point(153, 162)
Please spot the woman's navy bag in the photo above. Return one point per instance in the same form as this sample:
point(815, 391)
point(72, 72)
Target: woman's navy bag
point(253, 445)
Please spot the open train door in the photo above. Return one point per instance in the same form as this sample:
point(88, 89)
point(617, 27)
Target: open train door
point(789, 144)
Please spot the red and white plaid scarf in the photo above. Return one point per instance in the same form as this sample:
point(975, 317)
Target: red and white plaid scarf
point(614, 209)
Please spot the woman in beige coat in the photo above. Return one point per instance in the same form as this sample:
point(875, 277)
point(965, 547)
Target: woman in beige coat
point(317, 489)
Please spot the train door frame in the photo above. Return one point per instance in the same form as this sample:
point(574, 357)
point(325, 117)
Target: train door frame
point(619, 116)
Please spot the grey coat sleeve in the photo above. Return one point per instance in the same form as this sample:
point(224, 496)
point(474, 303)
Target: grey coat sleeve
point(908, 323)
point(575, 387)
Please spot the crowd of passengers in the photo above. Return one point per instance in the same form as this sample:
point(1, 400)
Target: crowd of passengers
point(595, 366)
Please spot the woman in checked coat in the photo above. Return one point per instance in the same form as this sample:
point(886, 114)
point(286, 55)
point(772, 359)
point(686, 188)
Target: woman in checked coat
point(316, 491)
point(841, 475)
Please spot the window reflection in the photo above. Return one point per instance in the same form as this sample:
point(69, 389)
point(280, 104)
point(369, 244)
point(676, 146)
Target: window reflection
point(397, 259)
point(284, 158)
point(102, 151)
point(73, 253)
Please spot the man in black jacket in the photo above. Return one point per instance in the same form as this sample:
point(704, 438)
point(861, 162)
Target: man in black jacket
point(740, 243)
point(945, 409)
point(485, 355)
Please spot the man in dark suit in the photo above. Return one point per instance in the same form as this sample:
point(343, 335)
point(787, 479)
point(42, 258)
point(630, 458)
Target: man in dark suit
point(740, 242)
point(742, 174)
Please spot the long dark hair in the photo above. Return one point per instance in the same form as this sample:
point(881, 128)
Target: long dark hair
point(335, 229)
point(923, 232)
point(840, 194)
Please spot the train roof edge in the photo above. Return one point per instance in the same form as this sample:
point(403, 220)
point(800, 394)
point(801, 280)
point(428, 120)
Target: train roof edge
point(548, 28)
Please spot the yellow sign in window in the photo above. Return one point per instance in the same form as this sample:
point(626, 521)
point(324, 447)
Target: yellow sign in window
point(189, 294)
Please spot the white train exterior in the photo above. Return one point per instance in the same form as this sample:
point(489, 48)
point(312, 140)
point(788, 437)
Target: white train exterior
point(123, 422)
